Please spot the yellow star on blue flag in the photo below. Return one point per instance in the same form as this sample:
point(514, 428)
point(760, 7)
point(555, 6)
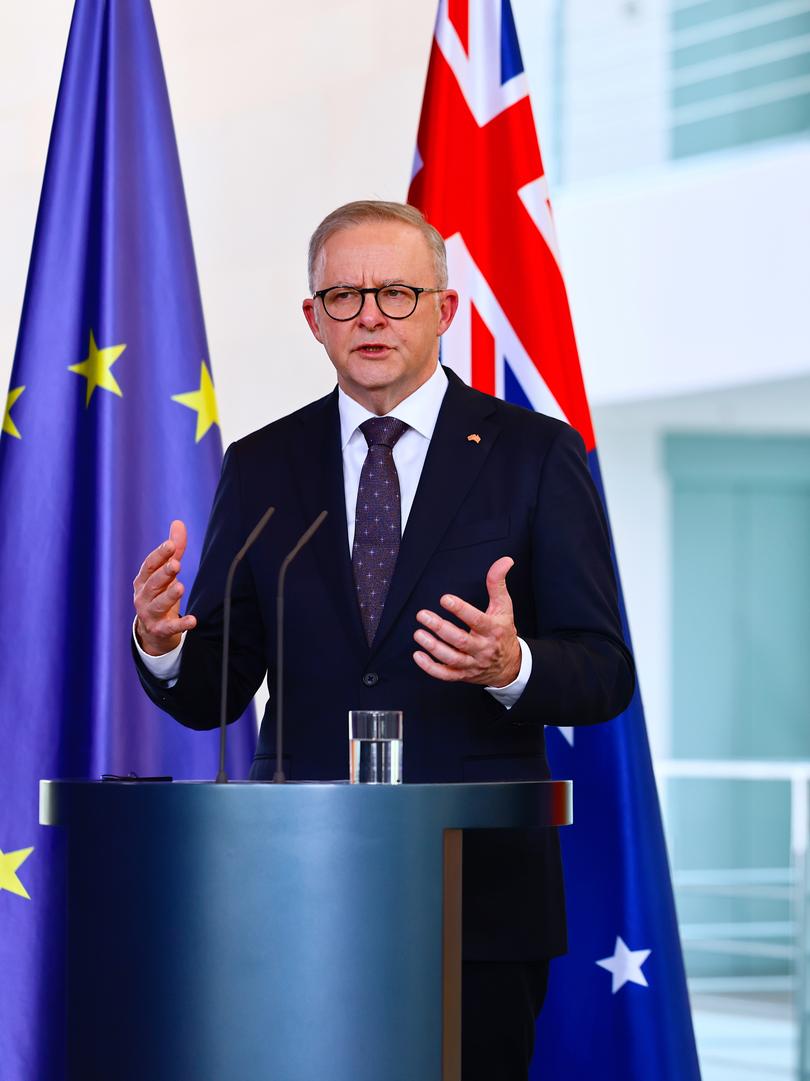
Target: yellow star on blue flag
point(9, 427)
point(10, 863)
point(96, 368)
point(113, 322)
point(203, 400)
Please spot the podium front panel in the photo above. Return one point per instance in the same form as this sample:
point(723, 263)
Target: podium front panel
point(269, 932)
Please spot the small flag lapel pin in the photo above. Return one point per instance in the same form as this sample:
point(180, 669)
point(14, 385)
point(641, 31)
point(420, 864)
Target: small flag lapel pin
point(473, 437)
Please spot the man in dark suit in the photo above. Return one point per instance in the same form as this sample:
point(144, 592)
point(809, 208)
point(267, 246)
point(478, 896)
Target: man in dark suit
point(435, 494)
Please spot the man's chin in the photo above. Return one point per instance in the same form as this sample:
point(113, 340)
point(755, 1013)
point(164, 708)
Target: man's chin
point(375, 374)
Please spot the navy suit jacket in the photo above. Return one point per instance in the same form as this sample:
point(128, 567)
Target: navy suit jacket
point(523, 490)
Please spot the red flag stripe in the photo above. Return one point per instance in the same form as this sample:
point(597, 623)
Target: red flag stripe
point(458, 12)
point(482, 353)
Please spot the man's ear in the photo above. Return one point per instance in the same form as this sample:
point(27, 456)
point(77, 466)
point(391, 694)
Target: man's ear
point(448, 306)
point(311, 316)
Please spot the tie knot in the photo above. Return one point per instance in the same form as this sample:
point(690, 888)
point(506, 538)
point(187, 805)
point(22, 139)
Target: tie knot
point(383, 431)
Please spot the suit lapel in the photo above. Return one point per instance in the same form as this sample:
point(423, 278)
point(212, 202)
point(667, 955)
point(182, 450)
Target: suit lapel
point(452, 464)
point(318, 467)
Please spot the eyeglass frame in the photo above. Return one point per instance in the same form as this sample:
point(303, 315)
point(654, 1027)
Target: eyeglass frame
point(375, 291)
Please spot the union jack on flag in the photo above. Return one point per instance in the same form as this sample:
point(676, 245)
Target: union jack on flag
point(617, 1007)
point(479, 179)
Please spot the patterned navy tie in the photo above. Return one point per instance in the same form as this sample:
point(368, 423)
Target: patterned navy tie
point(377, 522)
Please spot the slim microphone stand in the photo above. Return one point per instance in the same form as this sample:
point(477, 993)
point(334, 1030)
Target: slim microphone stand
point(278, 776)
point(222, 776)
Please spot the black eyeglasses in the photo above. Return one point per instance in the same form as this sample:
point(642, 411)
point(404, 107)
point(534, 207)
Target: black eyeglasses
point(342, 303)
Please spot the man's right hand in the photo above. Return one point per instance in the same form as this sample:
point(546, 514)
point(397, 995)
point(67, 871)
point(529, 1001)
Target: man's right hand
point(157, 592)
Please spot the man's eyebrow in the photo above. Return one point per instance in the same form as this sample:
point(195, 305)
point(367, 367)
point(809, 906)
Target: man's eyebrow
point(353, 285)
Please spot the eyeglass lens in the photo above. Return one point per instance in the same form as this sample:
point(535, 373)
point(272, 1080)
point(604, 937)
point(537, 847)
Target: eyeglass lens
point(396, 301)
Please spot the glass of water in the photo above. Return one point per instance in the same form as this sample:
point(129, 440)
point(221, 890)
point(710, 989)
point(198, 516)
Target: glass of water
point(375, 746)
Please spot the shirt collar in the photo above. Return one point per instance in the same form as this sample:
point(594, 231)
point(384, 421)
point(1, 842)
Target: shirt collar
point(419, 410)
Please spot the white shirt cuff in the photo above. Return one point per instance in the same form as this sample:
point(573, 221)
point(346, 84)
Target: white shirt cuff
point(508, 695)
point(167, 665)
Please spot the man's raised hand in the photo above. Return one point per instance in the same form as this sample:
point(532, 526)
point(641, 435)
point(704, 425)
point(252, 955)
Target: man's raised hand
point(156, 594)
point(489, 653)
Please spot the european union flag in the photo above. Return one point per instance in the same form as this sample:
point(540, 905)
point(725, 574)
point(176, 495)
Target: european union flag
point(110, 430)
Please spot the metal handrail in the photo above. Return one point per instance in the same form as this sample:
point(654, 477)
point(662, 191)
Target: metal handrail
point(796, 773)
point(775, 883)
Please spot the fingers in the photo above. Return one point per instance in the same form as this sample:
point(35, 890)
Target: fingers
point(159, 622)
point(475, 619)
point(174, 545)
point(157, 604)
point(450, 653)
point(171, 627)
point(500, 603)
point(438, 671)
point(496, 584)
point(159, 581)
point(179, 538)
point(161, 598)
point(167, 633)
point(443, 652)
point(165, 636)
point(156, 558)
point(443, 628)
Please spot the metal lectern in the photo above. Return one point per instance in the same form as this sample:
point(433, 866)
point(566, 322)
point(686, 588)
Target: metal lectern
point(260, 932)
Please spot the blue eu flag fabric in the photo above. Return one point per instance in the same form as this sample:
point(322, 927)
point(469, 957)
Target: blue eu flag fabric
point(110, 430)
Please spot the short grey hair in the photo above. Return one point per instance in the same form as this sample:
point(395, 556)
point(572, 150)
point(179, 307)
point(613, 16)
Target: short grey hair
point(366, 210)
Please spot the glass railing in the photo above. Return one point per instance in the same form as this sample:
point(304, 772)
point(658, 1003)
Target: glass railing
point(744, 921)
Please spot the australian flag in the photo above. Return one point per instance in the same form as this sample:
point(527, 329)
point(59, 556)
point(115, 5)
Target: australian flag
point(110, 430)
point(617, 1007)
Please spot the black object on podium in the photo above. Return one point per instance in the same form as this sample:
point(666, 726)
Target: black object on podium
point(297, 932)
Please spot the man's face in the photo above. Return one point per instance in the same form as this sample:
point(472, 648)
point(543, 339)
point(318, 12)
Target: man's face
point(379, 361)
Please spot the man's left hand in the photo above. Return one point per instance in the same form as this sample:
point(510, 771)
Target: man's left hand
point(489, 653)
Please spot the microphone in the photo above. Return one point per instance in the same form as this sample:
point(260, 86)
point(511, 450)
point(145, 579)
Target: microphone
point(222, 776)
point(278, 776)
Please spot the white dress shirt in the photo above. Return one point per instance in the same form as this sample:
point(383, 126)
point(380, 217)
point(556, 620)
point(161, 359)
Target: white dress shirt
point(419, 411)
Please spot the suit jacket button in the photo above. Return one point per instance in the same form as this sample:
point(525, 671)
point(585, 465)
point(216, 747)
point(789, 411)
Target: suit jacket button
point(370, 678)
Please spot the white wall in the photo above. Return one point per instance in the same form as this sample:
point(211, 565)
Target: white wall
point(614, 85)
point(682, 278)
point(685, 281)
point(32, 45)
point(254, 88)
point(693, 277)
point(630, 439)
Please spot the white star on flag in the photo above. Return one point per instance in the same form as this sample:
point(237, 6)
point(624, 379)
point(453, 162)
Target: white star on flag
point(625, 965)
point(566, 733)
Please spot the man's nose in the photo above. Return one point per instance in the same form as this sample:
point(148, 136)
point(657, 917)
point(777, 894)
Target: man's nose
point(370, 314)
